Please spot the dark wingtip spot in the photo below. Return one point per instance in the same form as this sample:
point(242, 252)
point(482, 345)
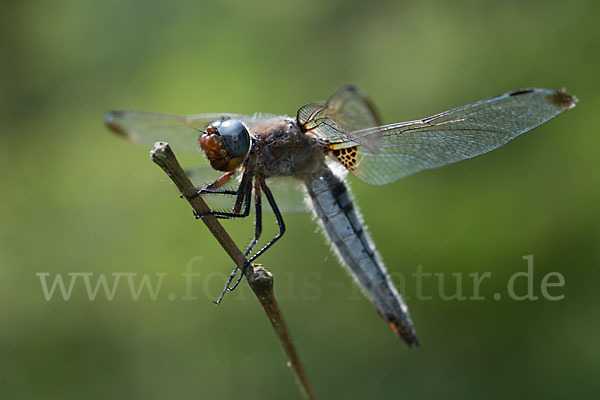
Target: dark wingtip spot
point(110, 120)
point(522, 91)
point(562, 100)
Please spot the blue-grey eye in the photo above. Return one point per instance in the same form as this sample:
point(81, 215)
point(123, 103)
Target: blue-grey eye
point(235, 137)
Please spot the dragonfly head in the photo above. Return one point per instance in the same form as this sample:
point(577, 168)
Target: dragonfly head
point(226, 144)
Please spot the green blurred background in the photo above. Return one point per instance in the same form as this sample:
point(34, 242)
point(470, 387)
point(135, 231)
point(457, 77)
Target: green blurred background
point(79, 199)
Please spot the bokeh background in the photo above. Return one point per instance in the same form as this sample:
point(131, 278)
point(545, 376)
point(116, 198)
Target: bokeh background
point(76, 198)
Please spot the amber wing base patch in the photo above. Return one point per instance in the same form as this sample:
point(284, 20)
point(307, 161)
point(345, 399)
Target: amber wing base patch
point(347, 156)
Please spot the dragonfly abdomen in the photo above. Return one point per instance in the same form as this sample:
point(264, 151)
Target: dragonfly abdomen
point(341, 222)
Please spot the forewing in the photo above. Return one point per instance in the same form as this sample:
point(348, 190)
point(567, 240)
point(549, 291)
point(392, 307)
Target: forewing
point(180, 131)
point(455, 135)
point(347, 110)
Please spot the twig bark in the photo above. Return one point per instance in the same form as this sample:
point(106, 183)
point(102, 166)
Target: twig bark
point(259, 279)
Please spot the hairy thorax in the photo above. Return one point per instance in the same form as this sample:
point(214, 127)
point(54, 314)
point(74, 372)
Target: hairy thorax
point(283, 149)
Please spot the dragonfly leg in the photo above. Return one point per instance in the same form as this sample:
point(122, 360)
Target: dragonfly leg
point(233, 214)
point(226, 288)
point(280, 224)
point(257, 233)
point(278, 218)
point(213, 188)
point(243, 195)
point(258, 219)
point(219, 182)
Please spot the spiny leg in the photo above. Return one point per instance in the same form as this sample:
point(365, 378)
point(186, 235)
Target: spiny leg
point(257, 233)
point(213, 188)
point(219, 182)
point(240, 193)
point(236, 213)
point(258, 219)
point(243, 195)
point(278, 217)
point(280, 224)
point(245, 185)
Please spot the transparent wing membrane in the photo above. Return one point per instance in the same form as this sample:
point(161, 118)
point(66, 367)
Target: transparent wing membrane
point(405, 148)
point(347, 110)
point(180, 131)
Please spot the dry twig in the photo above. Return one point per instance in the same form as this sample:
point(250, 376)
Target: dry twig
point(259, 279)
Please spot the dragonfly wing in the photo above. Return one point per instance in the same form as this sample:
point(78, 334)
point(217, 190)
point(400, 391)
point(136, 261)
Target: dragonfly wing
point(452, 136)
point(289, 193)
point(347, 110)
point(180, 131)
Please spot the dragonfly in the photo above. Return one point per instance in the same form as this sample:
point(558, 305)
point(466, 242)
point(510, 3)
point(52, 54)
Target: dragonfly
point(325, 138)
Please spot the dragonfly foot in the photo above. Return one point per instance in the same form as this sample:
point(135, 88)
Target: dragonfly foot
point(198, 193)
point(198, 215)
point(229, 288)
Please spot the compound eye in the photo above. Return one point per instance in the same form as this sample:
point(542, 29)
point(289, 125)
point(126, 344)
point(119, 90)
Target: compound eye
point(235, 137)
